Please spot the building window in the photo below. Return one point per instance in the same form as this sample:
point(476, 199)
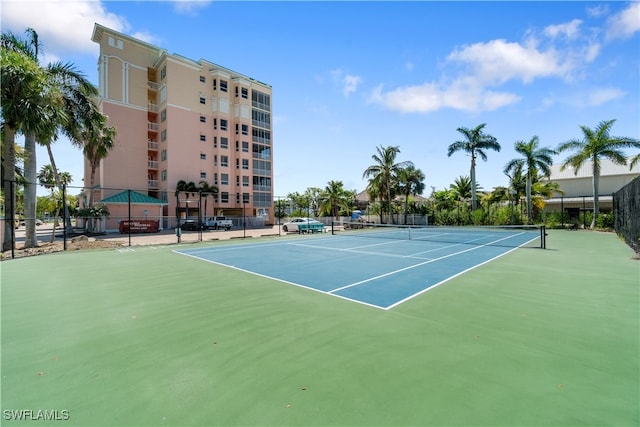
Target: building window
point(117, 43)
point(163, 73)
point(224, 179)
point(237, 163)
point(237, 145)
point(215, 142)
point(245, 93)
point(163, 116)
point(215, 84)
point(245, 197)
point(224, 124)
point(163, 135)
point(223, 86)
point(215, 160)
point(203, 175)
point(224, 197)
point(203, 156)
point(237, 181)
point(163, 155)
point(224, 161)
point(237, 197)
point(203, 100)
point(163, 175)
point(215, 179)
point(224, 142)
point(245, 164)
point(203, 79)
point(203, 137)
point(245, 146)
point(237, 128)
point(245, 181)
point(245, 129)
point(203, 119)
point(215, 123)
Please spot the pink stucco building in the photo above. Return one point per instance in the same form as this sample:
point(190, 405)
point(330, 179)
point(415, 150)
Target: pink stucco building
point(179, 119)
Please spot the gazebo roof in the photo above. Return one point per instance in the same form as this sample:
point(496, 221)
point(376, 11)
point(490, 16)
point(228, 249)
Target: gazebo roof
point(136, 199)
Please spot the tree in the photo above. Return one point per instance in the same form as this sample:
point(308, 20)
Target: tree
point(335, 198)
point(48, 177)
point(534, 159)
point(476, 142)
point(97, 140)
point(595, 145)
point(383, 173)
point(410, 183)
point(27, 103)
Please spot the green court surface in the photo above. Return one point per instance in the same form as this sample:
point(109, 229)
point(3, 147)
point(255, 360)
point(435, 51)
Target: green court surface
point(146, 337)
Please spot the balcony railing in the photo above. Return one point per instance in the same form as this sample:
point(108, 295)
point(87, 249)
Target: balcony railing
point(152, 85)
point(152, 126)
point(152, 145)
point(152, 164)
point(153, 183)
point(153, 108)
point(262, 156)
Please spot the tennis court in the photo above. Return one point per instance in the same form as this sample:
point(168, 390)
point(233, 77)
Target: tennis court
point(145, 337)
point(380, 266)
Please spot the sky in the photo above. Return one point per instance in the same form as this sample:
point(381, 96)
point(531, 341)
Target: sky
point(349, 77)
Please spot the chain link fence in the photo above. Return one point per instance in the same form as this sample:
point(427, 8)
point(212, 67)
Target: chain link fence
point(626, 208)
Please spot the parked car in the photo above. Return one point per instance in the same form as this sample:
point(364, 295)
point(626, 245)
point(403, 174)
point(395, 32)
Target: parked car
point(193, 225)
point(38, 222)
point(218, 222)
point(295, 222)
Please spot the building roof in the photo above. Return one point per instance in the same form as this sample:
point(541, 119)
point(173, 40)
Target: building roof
point(607, 168)
point(136, 199)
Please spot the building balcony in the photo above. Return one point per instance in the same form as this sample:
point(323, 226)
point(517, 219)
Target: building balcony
point(262, 156)
point(153, 183)
point(152, 108)
point(152, 86)
point(152, 164)
point(152, 145)
point(153, 127)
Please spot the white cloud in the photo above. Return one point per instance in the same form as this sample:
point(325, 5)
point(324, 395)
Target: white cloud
point(350, 84)
point(624, 24)
point(189, 7)
point(498, 61)
point(602, 96)
point(62, 26)
point(569, 29)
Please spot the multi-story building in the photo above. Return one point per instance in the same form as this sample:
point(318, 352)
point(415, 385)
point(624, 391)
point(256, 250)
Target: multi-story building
point(177, 120)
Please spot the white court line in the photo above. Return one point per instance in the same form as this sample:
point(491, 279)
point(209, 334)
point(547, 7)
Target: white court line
point(416, 265)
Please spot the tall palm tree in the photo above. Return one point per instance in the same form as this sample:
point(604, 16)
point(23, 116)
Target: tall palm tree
point(384, 171)
point(476, 142)
point(28, 102)
point(410, 183)
point(98, 139)
point(534, 159)
point(595, 145)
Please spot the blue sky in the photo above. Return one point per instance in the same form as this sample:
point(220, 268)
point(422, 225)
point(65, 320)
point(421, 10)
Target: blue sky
point(350, 76)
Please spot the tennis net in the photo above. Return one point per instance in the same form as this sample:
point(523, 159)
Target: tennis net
point(500, 235)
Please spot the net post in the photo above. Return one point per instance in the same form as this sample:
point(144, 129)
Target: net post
point(543, 237)
point(332, 229)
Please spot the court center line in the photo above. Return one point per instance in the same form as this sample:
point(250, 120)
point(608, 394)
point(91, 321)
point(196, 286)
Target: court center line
point(414, 266)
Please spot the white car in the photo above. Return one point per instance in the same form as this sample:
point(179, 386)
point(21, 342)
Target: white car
point(292, 226)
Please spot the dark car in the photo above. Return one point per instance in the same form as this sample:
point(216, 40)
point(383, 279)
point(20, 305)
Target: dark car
point(192, 225)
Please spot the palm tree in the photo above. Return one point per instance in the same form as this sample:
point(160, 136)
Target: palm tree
point(410, 183)
point(475, 143)
point(98, 139)
point(596, 144)
point(535, 159)
point(384, 172)
point(48, 177)
point(27, 103)
point(334, 198)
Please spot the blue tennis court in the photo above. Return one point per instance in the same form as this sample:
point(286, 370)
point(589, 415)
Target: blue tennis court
point(378, 269)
